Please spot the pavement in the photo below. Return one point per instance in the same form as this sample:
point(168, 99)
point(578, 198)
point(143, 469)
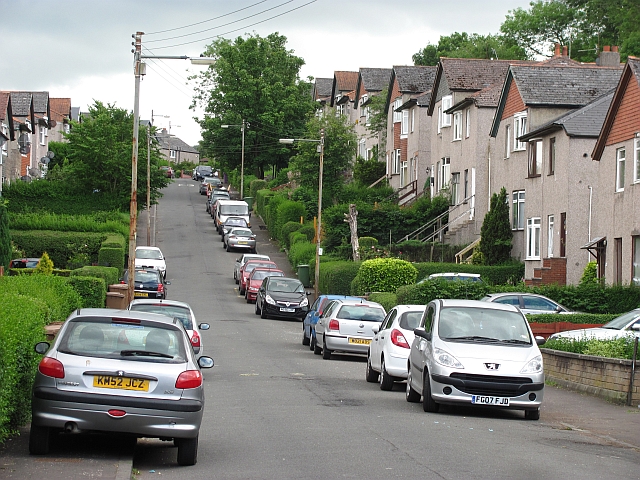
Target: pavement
point(111, 457)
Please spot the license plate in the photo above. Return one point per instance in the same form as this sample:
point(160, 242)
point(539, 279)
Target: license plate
point(360, 341)
point(122, 383)
point(487, 400)
point(289, 310)
point(140, 294)
point(241, 242)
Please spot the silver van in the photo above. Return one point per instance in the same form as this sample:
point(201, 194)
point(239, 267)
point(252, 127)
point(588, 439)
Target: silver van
point(231, 208)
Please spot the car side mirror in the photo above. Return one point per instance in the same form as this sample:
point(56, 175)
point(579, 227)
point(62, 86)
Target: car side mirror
point(205, 362)
point(167, 282)
point(421, 332)
point(540, 340)
point(204, 326)
point(42, 347)
point(635, 327)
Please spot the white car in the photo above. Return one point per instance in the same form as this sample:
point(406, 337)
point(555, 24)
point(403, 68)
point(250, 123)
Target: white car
point(625, 325)
point(240, 261)
point(174, 309)
point(151, 257)
point(391, 344)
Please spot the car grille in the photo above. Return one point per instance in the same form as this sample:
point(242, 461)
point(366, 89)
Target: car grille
point(491, 384)
point(287, 304)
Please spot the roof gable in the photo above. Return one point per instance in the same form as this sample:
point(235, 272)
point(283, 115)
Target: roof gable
point(343, 82)
point(372, 80)
point(60, 109)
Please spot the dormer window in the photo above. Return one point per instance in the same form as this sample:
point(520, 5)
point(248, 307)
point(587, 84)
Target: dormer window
point(363, 109)
point(397, 116)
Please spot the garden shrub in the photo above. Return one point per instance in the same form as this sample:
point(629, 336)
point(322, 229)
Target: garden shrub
point(256, 185)
point(111, 257)
point(262, 199)
point(288, 211)
point(593, 318)
point(271, 216)
point(301, 253)
point(308, 231)
point(92, 290)
point(423, 293)
point(590, 273)
point(287, 229)
point(387, 299)
point(383, 275)
point(110, 275)
point(45, 266)
point(98, 222)
point(60, 245)
point(616, 348)
point(335, 277)
point(296, 237)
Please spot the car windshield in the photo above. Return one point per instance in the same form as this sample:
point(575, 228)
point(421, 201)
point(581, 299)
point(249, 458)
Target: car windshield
point(241, 232)
point(147, 276)
point(250, 266)
point(136, 340)
point(234, 210)
point(204, 170)
point(286, 286)
point(262, 274)
point(362, 312)
point(175, 311)
point(410, 320)
point(620, 322)
point(148, 254)
point(235, 222)
point(461, 276)
point(482, 324)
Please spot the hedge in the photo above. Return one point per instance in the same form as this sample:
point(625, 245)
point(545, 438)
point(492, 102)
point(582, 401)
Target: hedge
point(287, 229)
point(262, 199)
point(101, 222)
point(386, 299)
point(335, 277)
point(301, 253)
point(591, 318)
point(423, 293)
point(286, 211)
point(60, 245)
point(110, 275)
point(383, 275)
point(256, 185)
point(511, 273)
point(92, 290)
point(111, 257)
point(615, 348)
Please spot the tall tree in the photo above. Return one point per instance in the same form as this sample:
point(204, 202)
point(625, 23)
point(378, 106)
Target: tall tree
point(254, 79)
point(496, 236)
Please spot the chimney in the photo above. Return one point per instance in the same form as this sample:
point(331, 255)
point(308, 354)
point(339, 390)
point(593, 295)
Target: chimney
point(609, 57)
point(557, 51)
point(565, 51)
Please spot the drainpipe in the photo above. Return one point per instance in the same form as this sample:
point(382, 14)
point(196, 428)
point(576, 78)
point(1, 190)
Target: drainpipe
point(590, 205)
point(633, 371)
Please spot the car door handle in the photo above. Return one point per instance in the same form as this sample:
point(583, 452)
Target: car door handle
point(382, 337)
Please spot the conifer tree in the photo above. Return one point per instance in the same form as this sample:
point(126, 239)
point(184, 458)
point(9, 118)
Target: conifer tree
point(495, 243)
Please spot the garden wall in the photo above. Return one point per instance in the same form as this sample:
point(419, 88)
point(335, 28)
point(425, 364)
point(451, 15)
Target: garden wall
point(606, 378)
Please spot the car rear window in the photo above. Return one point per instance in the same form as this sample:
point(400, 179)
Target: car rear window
point(147, 277)
point(148, 254)
point(175, 311)
point(241, 232)
point(250, 266)
point(259, 275)
point(365, 313)
point(123, 339)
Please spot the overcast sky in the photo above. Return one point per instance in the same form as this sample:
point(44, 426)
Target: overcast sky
point(82, 48)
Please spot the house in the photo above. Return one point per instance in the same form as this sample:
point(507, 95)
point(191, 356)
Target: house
point(175, 150)
point(408, 153)
point(60, 109)
point(343, 91)
point(542, 131)
point(40, 147)
point(322, 93)
point(614, 239)
point(7, 133)
point(19, 152)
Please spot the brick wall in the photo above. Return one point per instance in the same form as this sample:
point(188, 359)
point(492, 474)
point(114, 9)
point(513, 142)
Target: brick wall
point(553, 271)
point(626, 122)
point(607, 378)
point(514, 103)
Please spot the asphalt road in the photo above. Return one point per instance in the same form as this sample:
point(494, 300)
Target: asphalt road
point(276, 411)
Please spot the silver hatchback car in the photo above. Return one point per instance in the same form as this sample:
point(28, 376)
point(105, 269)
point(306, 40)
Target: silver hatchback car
point(468, 352)
point(119, 371)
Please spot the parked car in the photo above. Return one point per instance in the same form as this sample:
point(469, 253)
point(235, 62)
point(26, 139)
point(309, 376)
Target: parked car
point(216, 193)
point(202, 171)
point(247, 268)
point(347, 326)
point(282, 297)
point(626, 325)
point(232, 222)
point(468, 352)
point(453, 276)
point(240, 261)
point(174, 309)
point(204, 186)
point(151, 257)
point(527, 302)
point(231, 208)
point(24, 263)
point(148, 283)
point(255, 280)
point(119, 371)
point(240, 238)
point(391, 344)
point(310, 320)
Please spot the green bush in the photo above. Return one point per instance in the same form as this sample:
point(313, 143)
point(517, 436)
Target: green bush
point(308, 231)
point(111, 257)
point(92, 290)
point(590, 274)
point(287, 229)
point(383, 275)
point(100, 222)
point(60, 245)
point(262, 199)
point(616, 348)
point(367, 242)
point(301, 253)
point(21, 327)
point(386, 299)
point(115, 241)
point(297, 237)
point(418, 251)
point(256, 185)
point(288, 211)
point(110, 275)
point(593, 298)
point(335, 277)
point(593, 318)
point(271, 217)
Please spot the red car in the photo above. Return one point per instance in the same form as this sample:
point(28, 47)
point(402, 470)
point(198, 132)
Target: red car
point(248, 267)
point(255, 280)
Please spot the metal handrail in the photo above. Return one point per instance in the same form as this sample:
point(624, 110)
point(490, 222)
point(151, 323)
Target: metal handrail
point(469, 247)
point(444, 227)
point(378, 181)
point(424, 227)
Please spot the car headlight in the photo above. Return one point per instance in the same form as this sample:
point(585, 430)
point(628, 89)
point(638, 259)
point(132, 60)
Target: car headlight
point(533, 366)
point(253, 289)
point(269, 300)
point(446, 359)
point(304, 302)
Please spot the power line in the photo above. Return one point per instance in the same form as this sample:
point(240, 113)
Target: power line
point(170, 83)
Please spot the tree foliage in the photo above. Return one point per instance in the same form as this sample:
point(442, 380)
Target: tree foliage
point(255, 79)
point(496, 236)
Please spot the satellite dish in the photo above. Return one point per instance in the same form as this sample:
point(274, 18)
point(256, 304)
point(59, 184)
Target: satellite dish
point(51, 155)
point(45, 160)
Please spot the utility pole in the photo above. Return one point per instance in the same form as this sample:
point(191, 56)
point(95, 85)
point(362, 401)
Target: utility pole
point(149, 185)
point(316, 282)
point(242, 163)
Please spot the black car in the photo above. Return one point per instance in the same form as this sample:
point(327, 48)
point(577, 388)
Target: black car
point(148, 283)
point(216, 193)
point(202, 171)
point(282, 297)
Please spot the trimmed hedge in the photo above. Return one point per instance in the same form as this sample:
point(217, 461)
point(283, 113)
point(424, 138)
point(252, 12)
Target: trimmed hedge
point(335, 277)
point(423, 293)
point(262, 199)
point(383, 275)
point(111, 257)
point(511, 273)
point(61, 246)
point(592, 318)
point(386, 299)
point(616, 348)
point(110, 275)
point(301, 253)
point(92, 290)
point(101, 222)
point(287, 229)
point(255, 186)
point(287, 211)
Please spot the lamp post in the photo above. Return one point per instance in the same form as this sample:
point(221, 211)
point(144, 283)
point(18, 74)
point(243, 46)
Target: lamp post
point(242, 128)
point(319, 226)
point(139, 68)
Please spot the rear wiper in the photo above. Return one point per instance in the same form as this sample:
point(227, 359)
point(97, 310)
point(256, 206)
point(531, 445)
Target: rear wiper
point(474, 337)
point(514, 340)
point(143, 353)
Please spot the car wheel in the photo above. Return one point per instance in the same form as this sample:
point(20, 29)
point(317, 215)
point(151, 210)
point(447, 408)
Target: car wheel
point(370, 374)
point(305, 340)
point(428, 404)
point(257, 309)
point(312, 342)
point(187, 451)
point(386, 380)
point(39, 440)
point(411, 395)
point(262, 313)
point(227, 248)
point(316, 349)
point(326, 353)
point(532, 414)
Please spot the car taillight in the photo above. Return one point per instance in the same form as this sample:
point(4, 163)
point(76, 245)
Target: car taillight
point(160, 288)
point(189, 379)
point(51, 367)
point(334, 324)
point(195, 339)
point(397, 338)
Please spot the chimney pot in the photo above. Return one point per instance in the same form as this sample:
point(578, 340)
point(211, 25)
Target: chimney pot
point(606, 48)
point(565, 51)
point(557, 50)
point(614, 48)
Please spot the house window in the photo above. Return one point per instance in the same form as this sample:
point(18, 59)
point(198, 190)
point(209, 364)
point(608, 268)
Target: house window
point(466, 185)
point(403, 174)
point(533, 238)
point(468, 123)
point(446, 105)
point(172, 153)
point(67, 128)
point(439, 119)
point(5, 129)
point(457, 126)
point(550, 223)
point(519, 129)
point(404, 128)
point(43, 134)
point(636, 259)
point(413, 119)
point(363, 148)
point(636, 162)
point(363, 108)
point(620, 157)
point(367, 115)
point(517, 210)
point(552, 155)
point(455, 182)
point(397, 116)
point(535, 158)
point(395, 162)
point(507, 141)
point(445, 173)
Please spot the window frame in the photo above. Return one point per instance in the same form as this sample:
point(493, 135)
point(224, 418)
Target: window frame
point(551, 220)
point(517, 209)
point(467, 132)
point(439, 119)
point(413, 119)
point(404, 124)
point(172, 153)
point(447, 101)
point(444, 172)
point(519, 129)
point(457, 126)
point(533, 239)
point(635, 260)
point(534, 158)
point(397, 116)
point(552, 156)
point(455, 188)
point(507, 141)
point(636, 160)
point(620, 166)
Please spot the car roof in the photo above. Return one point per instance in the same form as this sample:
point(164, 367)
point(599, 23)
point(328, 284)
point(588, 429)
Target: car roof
point(454, 274)
point(448, 302)
point(409, 308)
point(125, 314)
point(147, 248)
point(361, 301)
point(158, 301)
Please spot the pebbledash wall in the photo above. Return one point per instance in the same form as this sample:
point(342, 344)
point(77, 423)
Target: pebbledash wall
point(606, 378)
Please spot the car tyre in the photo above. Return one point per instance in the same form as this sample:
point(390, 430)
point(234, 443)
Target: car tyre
point(39, 440)
point(532, 414)
point(305, 340)
point(312, 342)
point(370, 374)
point(227, 248)
point(262, 313)
point(187, 451)
point(326, 353)
point(428, 403)
point(316, 349)
point(386, 380)
point(411, 395)
point(257, 309)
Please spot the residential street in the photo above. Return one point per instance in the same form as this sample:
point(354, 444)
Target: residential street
point(274, 410)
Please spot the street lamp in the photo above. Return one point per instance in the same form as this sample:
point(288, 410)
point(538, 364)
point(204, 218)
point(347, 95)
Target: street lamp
point(289, 141)
point(242, 128)
point(139, 68)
